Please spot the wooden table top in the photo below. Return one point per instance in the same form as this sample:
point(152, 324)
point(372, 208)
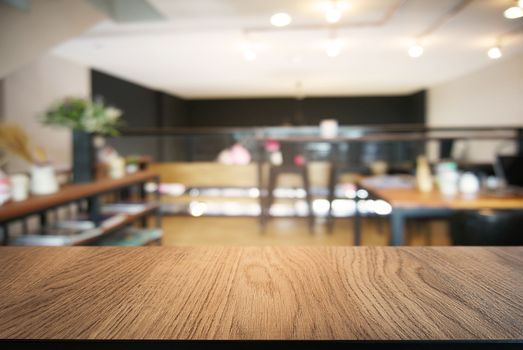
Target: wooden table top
point(68, 193)
point(412, 198)
point(207, 293)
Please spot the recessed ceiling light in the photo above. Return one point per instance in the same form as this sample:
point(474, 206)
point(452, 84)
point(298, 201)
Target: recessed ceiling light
point(281, 19)
point(494, 53)
point(415, 51)
point(514, 11)
point(333, 15)
point(334, 10)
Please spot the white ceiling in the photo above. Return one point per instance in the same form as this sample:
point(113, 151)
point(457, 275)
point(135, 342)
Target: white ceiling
point(197, 51)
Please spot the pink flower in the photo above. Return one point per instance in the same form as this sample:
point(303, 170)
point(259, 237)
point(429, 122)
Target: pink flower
point(272, 146)
point(299, 160)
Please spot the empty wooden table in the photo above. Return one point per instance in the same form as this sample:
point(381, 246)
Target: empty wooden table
point(354, 294)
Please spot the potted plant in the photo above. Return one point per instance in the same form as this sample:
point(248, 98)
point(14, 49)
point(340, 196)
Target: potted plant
point(86, 118)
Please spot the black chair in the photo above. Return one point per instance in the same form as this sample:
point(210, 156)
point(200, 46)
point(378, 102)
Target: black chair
point(487, 228)
point(290, 151)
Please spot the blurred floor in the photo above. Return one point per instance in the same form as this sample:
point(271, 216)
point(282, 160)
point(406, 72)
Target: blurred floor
point(243, 231)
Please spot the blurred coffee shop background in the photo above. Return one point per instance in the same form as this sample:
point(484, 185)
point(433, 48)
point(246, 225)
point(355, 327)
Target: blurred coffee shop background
point(261, 122)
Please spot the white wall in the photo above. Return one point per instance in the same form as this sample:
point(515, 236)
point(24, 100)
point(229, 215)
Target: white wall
point(26, 35)
point(30, 90)
point(489, 97)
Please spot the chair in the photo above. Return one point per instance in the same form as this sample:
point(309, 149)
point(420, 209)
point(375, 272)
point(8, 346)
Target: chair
point(346, 158)
point(293, 161)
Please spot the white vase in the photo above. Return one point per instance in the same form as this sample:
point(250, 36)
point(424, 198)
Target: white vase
point(423, 175)
point(469, 184)
point(43, 180)
point(329, 128)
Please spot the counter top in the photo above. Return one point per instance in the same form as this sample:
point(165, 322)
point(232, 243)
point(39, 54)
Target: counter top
point(294, 293)
point(413, 198)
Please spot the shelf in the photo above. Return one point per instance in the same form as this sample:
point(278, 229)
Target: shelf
point(112, 224)
point(108, 226)
point(132, 237)
point(70, 193)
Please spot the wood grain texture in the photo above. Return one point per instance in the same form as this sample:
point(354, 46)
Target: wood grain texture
point(208, 174)
point(357, 293)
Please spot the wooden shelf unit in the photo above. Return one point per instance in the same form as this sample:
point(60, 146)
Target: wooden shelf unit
point(71, 193)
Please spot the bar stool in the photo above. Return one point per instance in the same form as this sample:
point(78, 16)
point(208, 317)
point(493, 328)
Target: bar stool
point(345, 158)
point(292, 162)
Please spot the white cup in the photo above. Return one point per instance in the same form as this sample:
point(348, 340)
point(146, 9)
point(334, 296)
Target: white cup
point(19, 187)
point(43, 180)
point(117, 168)
point(329, 128)
point(448, 183)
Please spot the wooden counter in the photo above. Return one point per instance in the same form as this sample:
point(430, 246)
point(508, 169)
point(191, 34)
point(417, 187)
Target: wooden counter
point(328, 293)
point(412, 198)
point(409, 203)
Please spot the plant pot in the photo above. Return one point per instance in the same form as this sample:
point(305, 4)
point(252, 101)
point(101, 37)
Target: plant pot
point(83, 157)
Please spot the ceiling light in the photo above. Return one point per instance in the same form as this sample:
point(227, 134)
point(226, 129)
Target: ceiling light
point(333, 48)
point(494, 53)
point(334, 11)
point(281, 19)
point(333, 15)
point(515, 11)
point(415, 51)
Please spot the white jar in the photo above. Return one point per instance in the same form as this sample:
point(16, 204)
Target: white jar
point(117, 168)
point(448, 183)
point(43, 180)
point(447, 176)
point(19, 187)
point(329, 128)
point(468, 184)
point(276, 158)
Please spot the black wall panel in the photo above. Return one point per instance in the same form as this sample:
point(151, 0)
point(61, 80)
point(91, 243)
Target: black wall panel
point(144, 107)
point(140, 105)
point(309, 111)
point(173, 111)
point(241, 112)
